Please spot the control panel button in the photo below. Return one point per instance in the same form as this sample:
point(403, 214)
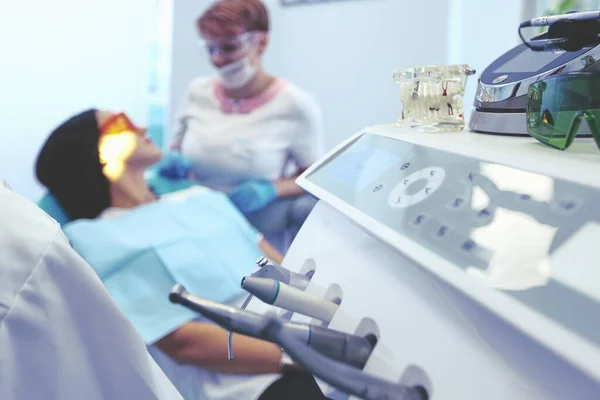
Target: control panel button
point(471, 176)
point(457, 203)
point(472, 248)
point(482, 181)
point(485, 213)
point(468, 245)
point(441, 232)
point(484, 216)
point(434, 174)
point(402, 201)
point(433, 177)
point(566, 205)
point(419, 220)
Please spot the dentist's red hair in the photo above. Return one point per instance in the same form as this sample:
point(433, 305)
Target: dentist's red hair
point(232, 17)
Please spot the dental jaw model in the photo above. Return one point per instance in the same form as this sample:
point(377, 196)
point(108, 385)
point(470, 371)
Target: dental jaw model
point(432, 97)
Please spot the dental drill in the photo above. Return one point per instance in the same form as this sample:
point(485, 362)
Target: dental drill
point(343, 347)
point(346, 378)
point(289, 298)
point(272, 270)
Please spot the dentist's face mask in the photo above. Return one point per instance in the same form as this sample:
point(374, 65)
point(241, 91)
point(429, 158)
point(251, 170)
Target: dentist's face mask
point(232, 59)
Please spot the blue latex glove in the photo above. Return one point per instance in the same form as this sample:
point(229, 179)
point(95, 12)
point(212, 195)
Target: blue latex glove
point(252, 196)
point(161, 185)
point(174, 166)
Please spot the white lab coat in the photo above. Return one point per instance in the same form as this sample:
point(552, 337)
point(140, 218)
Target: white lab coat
point(62, 337)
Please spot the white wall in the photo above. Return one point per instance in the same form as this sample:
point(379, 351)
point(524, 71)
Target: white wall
point(59, 57)
point(343, 52)
point(71, 54)
point(480, 32)
point(188, 59)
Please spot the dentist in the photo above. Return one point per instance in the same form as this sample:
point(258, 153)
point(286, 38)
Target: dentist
point(246, 132)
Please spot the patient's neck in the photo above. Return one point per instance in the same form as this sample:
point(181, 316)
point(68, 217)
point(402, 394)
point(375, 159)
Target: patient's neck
point(130, 190)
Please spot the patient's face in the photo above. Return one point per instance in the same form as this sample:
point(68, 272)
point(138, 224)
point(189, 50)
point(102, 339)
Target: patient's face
point(137, 149)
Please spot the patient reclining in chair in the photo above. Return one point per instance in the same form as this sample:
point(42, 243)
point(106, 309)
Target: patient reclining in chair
point(141, 245)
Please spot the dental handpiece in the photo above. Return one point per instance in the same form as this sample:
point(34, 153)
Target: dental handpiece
point(289, 298)
point(351, 380)
point(551, 19)
point(272, 270)
point(346, 348)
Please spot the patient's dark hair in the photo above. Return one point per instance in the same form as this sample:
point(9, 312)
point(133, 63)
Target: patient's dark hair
point(69, 166)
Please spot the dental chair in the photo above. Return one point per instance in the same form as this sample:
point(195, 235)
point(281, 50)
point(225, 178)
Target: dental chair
point(160, 186)
point(50, 206)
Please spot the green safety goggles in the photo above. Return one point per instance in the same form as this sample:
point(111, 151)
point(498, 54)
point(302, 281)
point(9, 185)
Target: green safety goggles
point(557, 105)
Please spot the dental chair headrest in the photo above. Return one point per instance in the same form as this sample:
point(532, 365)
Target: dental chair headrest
point(69, 166)
point(51, 207)
point(160, 186)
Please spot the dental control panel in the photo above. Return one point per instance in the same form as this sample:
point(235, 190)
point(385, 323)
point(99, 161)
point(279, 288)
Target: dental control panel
point(456, 206)
point(506, 228)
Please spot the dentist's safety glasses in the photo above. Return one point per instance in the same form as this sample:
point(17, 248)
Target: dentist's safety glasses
point(118, 141)
point(231, 48)
point(556, 107)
